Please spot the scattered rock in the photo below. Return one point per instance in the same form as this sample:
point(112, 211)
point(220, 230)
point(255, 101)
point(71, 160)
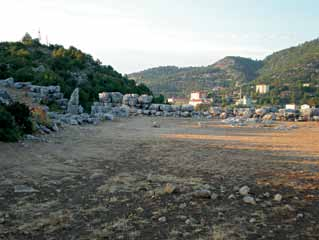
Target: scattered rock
point(170, 188)
point(249, 200)
point(182, 205)
point(278, 198)
point(96, 175)
point(191, 221)
point(156, 125)
point(214, 196)
point(231, 197)
point(24, 189)
point(244, 191)
point(202, 194)
point(252, 220)
point(162, 219)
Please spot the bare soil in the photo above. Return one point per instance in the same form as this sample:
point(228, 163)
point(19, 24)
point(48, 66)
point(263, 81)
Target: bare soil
point(127, 180)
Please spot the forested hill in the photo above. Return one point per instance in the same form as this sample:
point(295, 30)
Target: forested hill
point(294, 64)
point(29, 60)
point(174, 81)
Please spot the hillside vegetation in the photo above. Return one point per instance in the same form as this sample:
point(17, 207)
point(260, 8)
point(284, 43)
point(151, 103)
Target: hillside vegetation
point(286, 72)
point(174, 81)
point(31, 61)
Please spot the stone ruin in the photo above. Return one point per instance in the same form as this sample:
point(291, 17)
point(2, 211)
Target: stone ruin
point(132, 104)
point(5, 98)
point(74, 106)
point(38, 93)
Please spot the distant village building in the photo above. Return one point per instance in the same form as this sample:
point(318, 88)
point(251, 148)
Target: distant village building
point(291, 107)
point(306, 85)
point(262, 88)
point(304, 107)
point(198, 98)
point(177, 101)
point(245, 101)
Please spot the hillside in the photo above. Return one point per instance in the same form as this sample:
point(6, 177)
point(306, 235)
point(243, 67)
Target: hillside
point(299, 63)
point(176, 81)
point(31, 61)
point(288, 71)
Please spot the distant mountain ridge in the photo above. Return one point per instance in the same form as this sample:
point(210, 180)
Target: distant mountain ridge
point(289, 67)
point(172, 80)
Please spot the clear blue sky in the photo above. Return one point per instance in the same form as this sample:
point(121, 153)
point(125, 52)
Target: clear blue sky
point(132, 35)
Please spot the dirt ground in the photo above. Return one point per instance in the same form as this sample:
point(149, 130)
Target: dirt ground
point(127, 180)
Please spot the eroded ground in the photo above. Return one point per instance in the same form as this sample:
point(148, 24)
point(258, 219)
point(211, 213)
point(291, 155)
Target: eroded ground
point(127, 180)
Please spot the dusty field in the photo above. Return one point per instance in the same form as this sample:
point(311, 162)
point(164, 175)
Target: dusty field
point(127, 180)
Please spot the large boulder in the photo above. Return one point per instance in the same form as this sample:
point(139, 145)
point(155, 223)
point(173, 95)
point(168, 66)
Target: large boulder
point(130, 100)
point(185, 114)
point(269, 117)
point(19, 85)
point(105, 97)
point(175, 108)
point(261, 112)
point(5, 98)
point(155, 107)
point(215, 111)
point(99, 107)
point(187, 108)
point(9, 82)
point(73, 104)
point(123, 111)
point(116, 97)
point(145, 99)
point(165, 108)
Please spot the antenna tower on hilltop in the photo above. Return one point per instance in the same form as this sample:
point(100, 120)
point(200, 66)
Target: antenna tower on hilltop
point(39, 35)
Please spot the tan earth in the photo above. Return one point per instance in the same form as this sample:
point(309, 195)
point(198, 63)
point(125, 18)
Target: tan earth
point(127, 180)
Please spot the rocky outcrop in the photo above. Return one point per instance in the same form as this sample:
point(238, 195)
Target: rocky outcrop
point(9, 82)
point(74, 106)
point(5, 98)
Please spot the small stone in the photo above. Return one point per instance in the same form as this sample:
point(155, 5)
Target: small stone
point(244, 191)
point(267, 195)
point(156, 125)
point(252, 220)
point(300, 215)
point(24, 189)
point(249, 200)
point(170, 188)
point(214, 196)
point(162, 219)
point(140, 209)
point(55, 128)
point(202, 194)
point(278, 198)
point(96, 175)
point(231, 197)
point(182, 205)
point(2, 220)
point(191, 221)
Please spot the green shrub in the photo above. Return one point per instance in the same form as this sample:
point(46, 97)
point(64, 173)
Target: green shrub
point(22, 116)
point(9, 131)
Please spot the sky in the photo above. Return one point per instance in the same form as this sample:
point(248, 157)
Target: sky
point(133, 35)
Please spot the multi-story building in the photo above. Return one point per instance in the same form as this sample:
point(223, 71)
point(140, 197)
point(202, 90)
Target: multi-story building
point(262, 89)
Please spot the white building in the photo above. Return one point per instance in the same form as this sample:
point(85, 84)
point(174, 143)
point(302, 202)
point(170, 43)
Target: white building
point(262, 88)
point(304, 107)
point(198, 98)
point(291, 107)
point(245, 101)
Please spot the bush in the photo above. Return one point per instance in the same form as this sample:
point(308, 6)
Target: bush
point(22, 116)
point(15, 121)
point(9, 131)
